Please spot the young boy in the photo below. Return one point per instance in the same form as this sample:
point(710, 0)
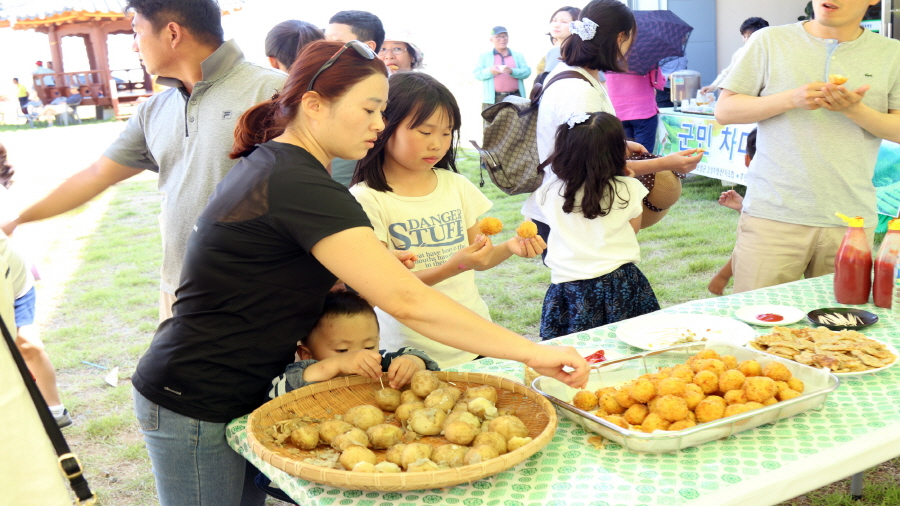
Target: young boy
point(732, 200)
point(344, 342)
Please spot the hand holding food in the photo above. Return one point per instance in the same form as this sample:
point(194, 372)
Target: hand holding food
point(837, 79)
point(474, 256)
point(490, 226)
point(549, 360)
point(402, 369)
point(362, 362)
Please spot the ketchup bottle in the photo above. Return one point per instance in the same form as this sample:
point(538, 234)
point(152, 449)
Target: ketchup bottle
point(883, 286)
point(853, 265)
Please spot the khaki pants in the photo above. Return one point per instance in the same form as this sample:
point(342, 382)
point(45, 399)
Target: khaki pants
point(771, 252)
point(166, 300)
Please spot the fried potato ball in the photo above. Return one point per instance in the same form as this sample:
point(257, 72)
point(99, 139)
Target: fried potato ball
point(492, 439)
point(777, 371)
point(414, 452)
point(769, 401)
point(356, 454)
point(479, 454)
point(730, 361)
point(731, 380)
point(517, 442)
point(624, 398)
point(710, 364)
point(422, 465)
point(306, 437)
point(606, 390)
point(423, 383)
point(750, 368)
point(759, 388)
point(682, 424)
point(509, 427)
point(364, 416)
point(609, 404)
point(735, 397)
point(692, 417)
point(837, 79)
point(482, 407)
point(363, 467)
point(404, 411)
point(671, 386)
point(353, 437)
point(616, 420)
point(692, 398)
point(384, 436)
point(330, 429)
point(795, 385)
point(600, 413)
point(394, 454)
point(460, 433)
point(709, 409)
point(387, 467)
point(754, 405)
point(585, 400)
point(788, 394)
point(655, 422)
point(440, 399)
point(527, 230)
point(693, 387)
point(427, 422)
point(449, 455)
point(462, 416)
point(636, 413)
point(388, 399)
point(781, 385)
point(672, 408)
point(684, 372)
point(490, 226)
point(708, 381)
point(484, 391)
point(409, 397)
point(642, 391)
point(736, 409)
point(704, 354)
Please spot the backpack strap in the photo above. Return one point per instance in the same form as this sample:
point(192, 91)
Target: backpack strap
point(537, 91)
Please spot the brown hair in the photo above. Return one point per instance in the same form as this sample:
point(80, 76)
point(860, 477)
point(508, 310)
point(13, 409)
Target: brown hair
point(602, 51)
point(269, 119)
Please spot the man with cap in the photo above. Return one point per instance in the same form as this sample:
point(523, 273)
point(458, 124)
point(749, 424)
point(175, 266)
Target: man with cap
point(40, 69)
point(502, 70)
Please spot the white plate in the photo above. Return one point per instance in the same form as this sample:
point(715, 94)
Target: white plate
point(889, 347)
point(749, 314)
point(655, 331)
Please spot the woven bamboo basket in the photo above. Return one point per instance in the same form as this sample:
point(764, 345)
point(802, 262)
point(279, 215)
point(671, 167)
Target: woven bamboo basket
point(329, 398)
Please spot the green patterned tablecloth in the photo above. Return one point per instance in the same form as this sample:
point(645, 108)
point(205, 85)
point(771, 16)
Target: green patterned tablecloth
point(858, 428)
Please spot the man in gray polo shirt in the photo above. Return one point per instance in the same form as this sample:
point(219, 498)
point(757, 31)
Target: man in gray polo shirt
point(184, 133)
point(817, 141)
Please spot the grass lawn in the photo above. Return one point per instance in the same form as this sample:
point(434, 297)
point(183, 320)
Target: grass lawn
point(98, 300)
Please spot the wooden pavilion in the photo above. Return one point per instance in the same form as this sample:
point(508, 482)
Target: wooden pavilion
point(94, 21)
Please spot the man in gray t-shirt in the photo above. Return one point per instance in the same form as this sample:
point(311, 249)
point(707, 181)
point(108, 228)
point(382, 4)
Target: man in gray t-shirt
point(184, 133)
point(817, 141)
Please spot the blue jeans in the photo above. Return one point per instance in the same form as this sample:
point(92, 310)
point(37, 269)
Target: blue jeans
point(643, 131)
point(192, 462)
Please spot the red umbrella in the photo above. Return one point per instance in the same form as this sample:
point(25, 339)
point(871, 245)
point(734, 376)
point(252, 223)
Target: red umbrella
point(661, 36)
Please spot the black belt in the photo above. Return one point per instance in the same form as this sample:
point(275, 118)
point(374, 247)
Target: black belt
point(500, 95)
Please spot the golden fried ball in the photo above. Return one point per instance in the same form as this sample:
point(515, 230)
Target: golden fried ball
point(409, 397)
point(405, 411)
point(777, 371)
point(759, 388)
point(693, 387)
point(422, 465)
point(707, 354)
point(356, 454)
point(710, 364)
point(423, 383)
point(788, 394)
point(482, 407)
point(731, 380)
point(490, 226)
point(782, 385)
point(306, 437)
point(755, 405)
point(636, 413)
point(485, 391)
point(413, 452)
point(509, 427)
point(440, 399)
point(492, 439)
point(450, 455)
point(682, 424)
point(364, 416)
point(642, 391)
point(395, 454)
point(655, 422)
point(708, 381)
point(387, 467)
point(585, 400)
point(517, 442)
point(353, 437)
point(624, 398)
point(692, 417)
point(606, 390)
point(736, 409)
point(795, 385)
point(609, 404)
point(692, 398)
point(750, 368)
point(384, 436)
point(527, 230)
point(388, 399)
point(730, 361)
point(616, 420)
point(479, 454)
point(460, 433)
point(671, 386)
point(672, 408)
point(427, 421)
point(769, 401)
point(363, 467)
point(600, 413)
point(684, 372)
point(330, 429)
point(735, 397)
point(709, 409)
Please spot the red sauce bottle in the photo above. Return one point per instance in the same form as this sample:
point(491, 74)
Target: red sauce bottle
point(884, 265)
point(853, 265)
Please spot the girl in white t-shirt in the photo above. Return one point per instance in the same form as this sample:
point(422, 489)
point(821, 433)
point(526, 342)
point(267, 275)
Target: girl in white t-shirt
point(594, 210)
point(416, 201)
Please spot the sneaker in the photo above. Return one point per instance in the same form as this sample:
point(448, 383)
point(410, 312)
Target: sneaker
point(63, 420)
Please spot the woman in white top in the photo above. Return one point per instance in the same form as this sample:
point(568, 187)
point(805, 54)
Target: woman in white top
point(599, 42)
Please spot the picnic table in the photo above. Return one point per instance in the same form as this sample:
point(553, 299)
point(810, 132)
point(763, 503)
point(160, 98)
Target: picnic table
point(858, 428)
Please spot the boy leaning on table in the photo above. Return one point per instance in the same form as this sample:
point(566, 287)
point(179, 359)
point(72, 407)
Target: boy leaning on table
point(817, 142)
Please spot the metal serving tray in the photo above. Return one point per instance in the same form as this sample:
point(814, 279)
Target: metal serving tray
point(818, 383)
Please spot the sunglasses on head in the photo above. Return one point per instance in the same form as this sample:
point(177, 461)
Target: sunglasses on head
point(363, 50)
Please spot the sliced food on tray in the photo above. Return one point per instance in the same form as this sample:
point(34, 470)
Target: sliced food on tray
point(844, 351)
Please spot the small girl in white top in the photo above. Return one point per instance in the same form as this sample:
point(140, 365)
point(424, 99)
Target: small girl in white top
point(416, 201)
point(594, 210)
